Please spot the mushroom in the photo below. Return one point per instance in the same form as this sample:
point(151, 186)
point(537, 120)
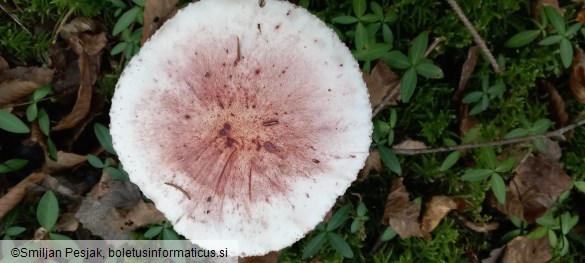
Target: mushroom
point(242, 120)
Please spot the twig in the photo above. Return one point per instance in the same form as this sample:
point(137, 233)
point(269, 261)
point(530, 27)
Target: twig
point(434, 45)
point(556, 133)
point(62, 21)
point(478, 40)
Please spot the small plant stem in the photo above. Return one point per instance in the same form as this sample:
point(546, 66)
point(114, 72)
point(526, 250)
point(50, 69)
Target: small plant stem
point(434, 45)
point(556, 133)
point(476, 37)
point(62, 21)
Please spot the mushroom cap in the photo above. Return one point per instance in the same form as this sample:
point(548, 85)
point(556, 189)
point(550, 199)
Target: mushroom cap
point(242, 121)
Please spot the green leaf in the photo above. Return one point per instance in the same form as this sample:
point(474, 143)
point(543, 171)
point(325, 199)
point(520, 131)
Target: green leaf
point(393, 118)
point(451, 160)
point(506, 166)
point(31, 112)
point(314, 245)
point(419, 46)
point(377, 10)
point(44, 123)
point(126, 19)
point(391, 16)
point(565, 223)
point(540, 126)
point(547, 220)
point(116, 174)
point(515, 133)
point(408, 84)
point(369, 18)
point(345, 20)
point(472, 97)
point(397, 59)
point(387, 34)
point(355, 225)
point(359, 7)
point(48, 210)
point(372, 52)
point(338, 218)
point(498, 187)
point(555, 19)
point(12, 165)
point(103, 135)
point(552, 238)
point(95, 161)
point(487, 155)
point(169, 234)
point(478, 108)
point(118, 48)
point(537, 233)
point(551, 40)
point(566, 52)
point(11, 123)
point(564, 246)
point(361, 36)
point(52, 149)
point(388, 234)
point(572, 30)
point(139, 2)
point(477, 174)
point(361, 209)
point(41, 92)
point(381, 128)
point(580, 185)
point(118, 3)
point(340, 245)
point(15, 230)
point(390, 159)
point(522, 38)
point(429, 70)
point(54, 236)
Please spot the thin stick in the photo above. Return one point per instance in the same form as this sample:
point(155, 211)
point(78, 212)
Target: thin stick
point(478, 40)
point(556, 133)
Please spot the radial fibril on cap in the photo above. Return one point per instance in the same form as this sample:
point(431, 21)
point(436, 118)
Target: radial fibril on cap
point(242, 121)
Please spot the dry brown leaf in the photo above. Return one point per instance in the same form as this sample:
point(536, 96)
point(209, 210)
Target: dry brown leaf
point(536, 4)
point(577, 82)
point(495, 255)
point(400, 213)
point(437, 208)
point(410, 145)
point(467, 122)
point(525, 250)
point(477, 226)
point(466, 71)
point(19, 82)
point(114, 208)
point(535, 187)
point(93, 44)
point(156, 12)
point(16, 193)
point(383, 86)
point(83, 103)
point(271, 257)
point(373, 163)
point(64, 161)
point(581, 17)
point(67, 222)
point(78, 26)
point(3, 64)
point(556, 105)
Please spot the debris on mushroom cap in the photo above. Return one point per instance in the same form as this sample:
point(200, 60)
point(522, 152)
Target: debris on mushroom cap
point(242, 120)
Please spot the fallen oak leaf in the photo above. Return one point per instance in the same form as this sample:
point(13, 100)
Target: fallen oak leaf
point(16, 193)
point(400, 213)
point(373, 163)
point(383, 86)
point(525, 250)
point(436, 209)
point(556, 105)
point(466, 71)
point(19, 82)
point(577, 81)
point(65, 160)
point(156, 12)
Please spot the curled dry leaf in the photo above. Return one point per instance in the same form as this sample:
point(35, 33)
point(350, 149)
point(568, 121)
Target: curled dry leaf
point(271, 257)
point(410, 145)
point(581, 17)
point(19, 82)
point(400, 213)
point(437, 208)
point(537, 184)
point(16, 193)
point(67, 222)
point(83, 103)
point(466, 71)
point(3, 64)
point(114, 208)
point(373, 163)
point(556, 105)
point(156, 12)
point(78, 26)
point(383, 86)
point(478, 226)
point(65, 160)
point(522, 250)
point(577, 82)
